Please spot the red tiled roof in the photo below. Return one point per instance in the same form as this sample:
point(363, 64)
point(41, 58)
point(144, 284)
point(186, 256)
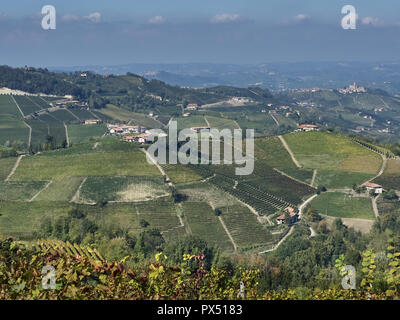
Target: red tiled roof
point(307, 126)
point(282, 217)
point(372, 185)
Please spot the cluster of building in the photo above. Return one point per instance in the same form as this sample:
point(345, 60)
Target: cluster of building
point(292, 214)
point(71, 103)
point(307, 128)
point(122, 129)
point(92, 121)
point(353, 88)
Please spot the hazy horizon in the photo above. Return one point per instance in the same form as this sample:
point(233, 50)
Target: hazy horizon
point(233, 32)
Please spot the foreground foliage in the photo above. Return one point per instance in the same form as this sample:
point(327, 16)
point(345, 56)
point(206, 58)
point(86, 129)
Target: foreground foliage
point(79, 277)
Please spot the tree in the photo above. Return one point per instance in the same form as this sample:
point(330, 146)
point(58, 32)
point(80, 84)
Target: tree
point(312, 215)
point(143, 223)
point(217, 212)
point(322, 227)
point(390, 195)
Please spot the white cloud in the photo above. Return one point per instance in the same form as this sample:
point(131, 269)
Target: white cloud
point(94, 17)
point(301, 17)
point(225, 18)
point(375, 22)
point(156, 20)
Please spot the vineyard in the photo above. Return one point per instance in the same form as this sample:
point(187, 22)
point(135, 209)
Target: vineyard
point(27, 106)
point(245, 228)
point(204, 224)
point(265, 190)
point(69, 249)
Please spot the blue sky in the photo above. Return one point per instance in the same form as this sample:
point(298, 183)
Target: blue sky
point(180, 31)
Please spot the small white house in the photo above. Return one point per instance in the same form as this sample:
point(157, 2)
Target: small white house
point(373, 186)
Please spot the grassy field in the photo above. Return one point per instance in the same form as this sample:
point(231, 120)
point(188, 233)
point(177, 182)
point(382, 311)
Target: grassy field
point(391, 176)
point(122, 189)
point(82, 133)
point(60, 190)
point(63, 116)
point(340, 179)
point(221, 123)
point(6, 164)
point(244, 227)
point(205, 224)
point(20, 191)
point(82, 114)
point(189, 122)
point(8, 107)
point(59, 164)
point(27, 106)
point(13, 130)
point(328, 151)
point(179, 173)
point(23, 218)
point(339, 161)
point(343, 206)
point(127, 116)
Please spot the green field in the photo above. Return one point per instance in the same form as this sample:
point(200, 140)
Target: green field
point(391, 176)
point(179, 173)
point(244, 227)
point(271, 152)
point(20, 190)
point(340, 179)
point(8, 107)
point(343, 206)
point(340, 162)
point(23, 218)
point(12, 129)
point(82, 133)
point(326, 151)
point(64, 116)
point(59, 164)
point(6, 164)
point(27, 105)
point(189, 122)
point(60, 190)
point(122, 189)
point(221, 123)
point(124, 115)
point(204, 224)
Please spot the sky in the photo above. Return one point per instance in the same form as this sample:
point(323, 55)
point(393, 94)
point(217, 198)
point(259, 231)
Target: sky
point(105, 32)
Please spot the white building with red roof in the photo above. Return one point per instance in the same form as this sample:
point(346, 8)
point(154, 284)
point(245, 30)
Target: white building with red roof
point(373, 186)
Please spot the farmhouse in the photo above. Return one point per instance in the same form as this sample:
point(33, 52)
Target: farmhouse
point(307, 127)
point(201, 129)
point(92, 121)
point(281, 219)
point(123, 129)
point(373, 186)
point(192, 106)
point(128, 138)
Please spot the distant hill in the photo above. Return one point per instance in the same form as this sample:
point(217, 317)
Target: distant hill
point(129, 90)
